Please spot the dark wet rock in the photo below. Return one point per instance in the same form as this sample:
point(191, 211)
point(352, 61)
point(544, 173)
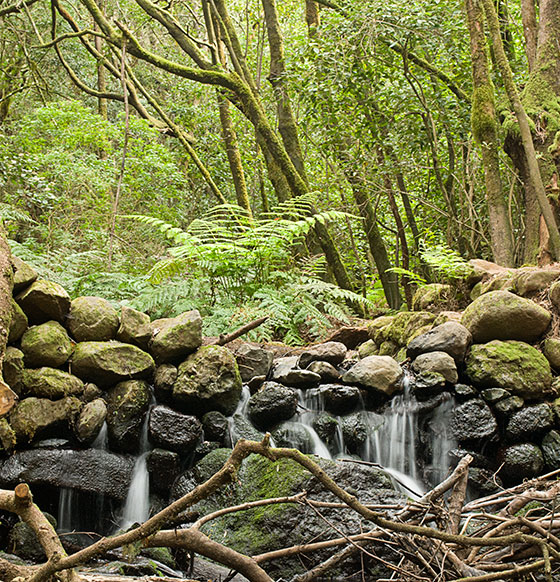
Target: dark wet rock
point(331, 352)
point(272, 404)
point(92, 319)
point(350, 336)
point(204, 448)
point(437, 362)
point(173, 338)
point(134, 327)
point(253, 361)
point(293, 434)
point(127, 403)
point(493, 395)
point(325, 426)
point(255, 383)
point(208, 380)
point(90, 421)
point(12, 369)
point(509, 405)
point(472, 421)
point(354, 430)
point(451, 338)
point(107, 363)
point(51, 383)
point(513, 365)
point(43, 301)
point(215, 426)
point(327, 371)
point(163, 466)
point(24, 274)
point(428, 383)
point(465, 392)
point(522, 461)
point(501, 315)
point(484, 481)
point(90, 470)
point(241, 428)
point(23, 542)
point(479, 460)
point(379, 373)
point(530, 422)
point(169, 429)
point(551, 449)
point(47, 344)
point(340, 399)
point(18, 323)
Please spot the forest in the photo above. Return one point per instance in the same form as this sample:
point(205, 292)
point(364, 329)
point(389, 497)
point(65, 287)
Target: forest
point(366, 193)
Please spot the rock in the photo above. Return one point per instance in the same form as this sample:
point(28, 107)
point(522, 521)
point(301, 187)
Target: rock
point(439, 363)
point(522, 461)
point(340, 399)
point(293, 435)
point(43, 301)
point(46, 345)
point(451, 338)
point(169, 429)
point(24, 543)
point(446, 317)
point(380, 373)
point(253, 361)
point(163, 467)
point(208, 380)
point(42, 417)
point(107, 363)
point(12, 369)
point(484, 481)
point(388, 348)
point(173, 338)
point(215, 426)
point(551, 449)
point(530, 422)
point(354, 431)
point(8, 438)
point(272, 404)
point(376, 328)
point(493, 395)
point(164, 380)
point(92, 319)
point(405, 325)
point(369, 348)
point(89, 470)
point(326, 371)
point(331, 352)
point(241, 428)
point(24, 274)
point(18, 324)
point(551, 350)
point(127, 404)
point(473, 421)
point(326, 427)
point(533, 280)
point(91, 392)
point(501, 315)
point(513, 365)
point(432, 297)
point(509, 405)
point(298, 378)
point(427, 383)
point(51, 383)
point(350, 336)
point(464, 391)
point(554, 294)
point(90, 421)
point(483, 270)
point(135, 327)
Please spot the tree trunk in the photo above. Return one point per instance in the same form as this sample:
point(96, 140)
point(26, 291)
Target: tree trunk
point(7, 397)
point(484, 124)
point(529, 19)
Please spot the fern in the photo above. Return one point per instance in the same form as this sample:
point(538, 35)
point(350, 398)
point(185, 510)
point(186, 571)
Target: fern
point(445, 261)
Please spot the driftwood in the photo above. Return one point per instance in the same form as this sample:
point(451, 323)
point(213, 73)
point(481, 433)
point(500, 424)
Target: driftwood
point(499, 537)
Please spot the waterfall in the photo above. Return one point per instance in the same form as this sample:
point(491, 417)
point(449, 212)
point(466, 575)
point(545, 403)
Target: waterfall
point(309, 404)
point(440, 441)
point(65, 510)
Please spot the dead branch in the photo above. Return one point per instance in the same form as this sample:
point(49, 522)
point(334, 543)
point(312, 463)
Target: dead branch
point(222, 340)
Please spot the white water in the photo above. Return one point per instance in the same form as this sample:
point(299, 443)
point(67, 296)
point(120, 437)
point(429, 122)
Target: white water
point(65, 510)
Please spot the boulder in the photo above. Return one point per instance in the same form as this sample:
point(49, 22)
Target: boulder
point(107, 363)
point(509, 405)
point(253, 361)
point(473, 421)
point(484, 481)
point(451, 338)
point(90, 421)
point(163, 467)
point(91, 392)
point(24, 543)
point(18, 323)
point(432, 297)
point(378, 373)
point(175, 337)
point(551, 350)
point(369, 348)
point(89, 470)
point(501, 315)
point(354, 431)
point(465, 392)
point(51, 383)
point(438, 363)
point(172, 430)
point(164, 380)
point(47, 344)
point(331, 352)
point(376, 328)
point(551, 449)
point(215, 426)
point(350, 336)
point(530, 422)
point(340, 399)
point(24, 274)
point(272, 404)
point(493, 395)
point(43, 301)
point(208, 380)
point(513, 365)
point(533, 280)
point(293, 435)
point(241, 428)
point(326, 427)
point(388, 348)
point(12, 369)
point(327, 371)
point(286, 371)
point(127, 404)
point(92, 319)
point(554, 294)
point(135, 327)
point(32, 417)
point(522, 461)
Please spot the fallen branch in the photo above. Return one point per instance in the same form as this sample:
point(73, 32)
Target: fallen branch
point(224, 339)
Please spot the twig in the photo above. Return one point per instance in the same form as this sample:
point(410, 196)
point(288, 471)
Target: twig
point(224, 339)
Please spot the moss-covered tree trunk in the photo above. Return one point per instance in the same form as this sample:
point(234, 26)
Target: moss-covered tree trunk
point(7, 397)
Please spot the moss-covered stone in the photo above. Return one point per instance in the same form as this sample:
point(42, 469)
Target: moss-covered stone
point(24, 274)
point(90, 421)
point(92, 319)
point(47, 344)
point(554, 294)
point(513, 365)
point(18, 323)
point(7, 436)
point(377, 326)
point(135, 327)
point(432, 297)
point(405, 324)
point(12, 369)
point(551, 350)
point(44, 300)
point(532, 280)
point(174, 338)
point(51, 383)
point(369, 348)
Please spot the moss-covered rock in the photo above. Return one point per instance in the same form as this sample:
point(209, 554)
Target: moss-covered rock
point(106, 363)
point(44, 300)
point(18, 323)
point(377, 326)
point(24, 274)
point(515, 366)
point(51, 383)
point(504, 316)
point(12, 369)
point(47, 344)
point(369, 348)
point(533, 280)
point(406, 324)
point(208, 380)
point(379, 373)
point(551, 350)
point(432, 297)
point(92, 319)
point(554, 294)
point(174, 338)
point(90, 421)
point(7, 436)
point(134, 328)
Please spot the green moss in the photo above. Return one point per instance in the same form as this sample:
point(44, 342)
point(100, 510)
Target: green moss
point(483, 116)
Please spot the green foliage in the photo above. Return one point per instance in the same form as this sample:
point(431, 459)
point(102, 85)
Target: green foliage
point(445, 261)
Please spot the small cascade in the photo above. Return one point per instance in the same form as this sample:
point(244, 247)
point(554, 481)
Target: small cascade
point(137, 506)
point(309, 405)
point(65, 510)
point(240, 411)
point(102, 440)
point(440, 441)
